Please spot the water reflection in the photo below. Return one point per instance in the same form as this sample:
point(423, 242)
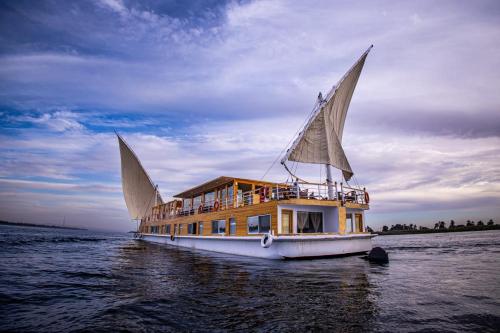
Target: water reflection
point(206, 291)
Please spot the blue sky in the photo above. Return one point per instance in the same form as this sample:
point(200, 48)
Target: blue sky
point(206, 88)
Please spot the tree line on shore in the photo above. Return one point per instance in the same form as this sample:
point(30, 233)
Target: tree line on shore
point(440, 226)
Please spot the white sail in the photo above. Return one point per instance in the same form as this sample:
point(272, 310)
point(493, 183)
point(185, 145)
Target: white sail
point(138, 189)
point(321, 140)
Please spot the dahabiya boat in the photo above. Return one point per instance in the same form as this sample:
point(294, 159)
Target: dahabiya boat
point(294, 219)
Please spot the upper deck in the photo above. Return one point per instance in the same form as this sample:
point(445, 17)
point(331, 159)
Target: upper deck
point(224, 193)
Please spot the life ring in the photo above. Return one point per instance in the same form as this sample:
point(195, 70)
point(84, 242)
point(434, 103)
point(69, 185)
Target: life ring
point(200, 209)
point(266, 240)
point(216, 205)
point(367, 198)
point(172, 238)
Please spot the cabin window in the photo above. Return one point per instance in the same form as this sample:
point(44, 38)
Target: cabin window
point(186, 204)
point(230, 195)
point(209, 198)
point(245, 195)
point(309, 222)
point(219, 227)
point(192, 228)
point(168, 229)
point(200, 228)
point(232, 226)
point(196, 202)
point(223, 196)
point(155, 229)
point(259, 224)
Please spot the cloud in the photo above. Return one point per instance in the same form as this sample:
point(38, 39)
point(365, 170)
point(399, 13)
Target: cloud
point(204, 89)
point(268, 52)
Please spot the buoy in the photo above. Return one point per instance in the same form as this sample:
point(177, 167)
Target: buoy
point(266, 240)
point(378, 254)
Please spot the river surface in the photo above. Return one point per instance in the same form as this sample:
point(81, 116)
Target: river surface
point(73, 281)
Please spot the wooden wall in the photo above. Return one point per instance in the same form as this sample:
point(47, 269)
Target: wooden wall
point(240, 214)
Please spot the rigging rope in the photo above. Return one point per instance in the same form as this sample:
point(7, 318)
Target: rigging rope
point(154, 194)
point(291, 140)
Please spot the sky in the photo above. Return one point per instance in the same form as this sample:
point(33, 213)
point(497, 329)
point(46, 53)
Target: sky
point(201, 89)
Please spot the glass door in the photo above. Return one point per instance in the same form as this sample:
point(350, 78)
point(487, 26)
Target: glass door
point(286, 221)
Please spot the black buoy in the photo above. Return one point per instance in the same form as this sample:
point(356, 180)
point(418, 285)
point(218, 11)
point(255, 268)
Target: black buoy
point(378, 254)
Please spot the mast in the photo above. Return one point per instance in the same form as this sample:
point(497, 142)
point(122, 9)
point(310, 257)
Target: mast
point(329, 182)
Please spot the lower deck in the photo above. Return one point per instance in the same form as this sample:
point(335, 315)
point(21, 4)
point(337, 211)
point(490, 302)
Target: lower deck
point(293, 217)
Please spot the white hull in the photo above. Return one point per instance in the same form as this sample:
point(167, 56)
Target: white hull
point(282, 246)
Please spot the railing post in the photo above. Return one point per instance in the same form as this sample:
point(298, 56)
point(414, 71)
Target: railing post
point(342, 191)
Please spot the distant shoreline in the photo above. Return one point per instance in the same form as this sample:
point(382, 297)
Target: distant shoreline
point(433, 231)
point(21, 224)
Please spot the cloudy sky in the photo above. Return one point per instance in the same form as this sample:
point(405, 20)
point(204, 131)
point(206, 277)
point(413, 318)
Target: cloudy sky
point(206, 88)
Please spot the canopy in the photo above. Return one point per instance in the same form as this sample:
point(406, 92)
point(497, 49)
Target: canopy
point(321, 140)
point(138, 189)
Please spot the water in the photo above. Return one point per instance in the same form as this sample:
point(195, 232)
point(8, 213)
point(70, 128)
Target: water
point(70, 281)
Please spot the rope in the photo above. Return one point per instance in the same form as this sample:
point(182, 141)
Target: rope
point(289, 142)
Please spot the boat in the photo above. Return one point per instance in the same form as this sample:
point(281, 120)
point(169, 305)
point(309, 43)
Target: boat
point(297, 218)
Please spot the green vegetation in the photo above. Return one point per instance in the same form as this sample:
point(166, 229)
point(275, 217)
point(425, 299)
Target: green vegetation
point(38, 225)
point(440, 226)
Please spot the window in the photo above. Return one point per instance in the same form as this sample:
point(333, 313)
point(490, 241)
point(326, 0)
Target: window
point(197, 202)
point(155, 229)
point(180, 228)
point(186, 204)
point(168, 229)
point(222, 193)
point(209, 198)
point(219, 227)
point(309, 222)
point(286, 221)
point(230, 194)
point(259, 224)
point(232, 226)
point(200, 228)
point(192, 228)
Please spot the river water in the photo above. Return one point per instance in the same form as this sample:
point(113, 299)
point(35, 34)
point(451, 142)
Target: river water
point(74, 281)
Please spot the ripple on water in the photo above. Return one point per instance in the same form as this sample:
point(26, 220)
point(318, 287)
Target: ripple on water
point(67, 280)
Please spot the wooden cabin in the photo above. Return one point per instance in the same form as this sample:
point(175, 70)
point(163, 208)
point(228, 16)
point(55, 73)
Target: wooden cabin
point(228, 206)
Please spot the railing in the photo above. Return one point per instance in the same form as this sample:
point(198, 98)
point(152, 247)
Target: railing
point(263, 194)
